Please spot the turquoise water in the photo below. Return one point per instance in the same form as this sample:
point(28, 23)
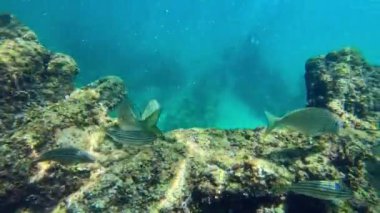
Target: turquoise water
point(210, 63)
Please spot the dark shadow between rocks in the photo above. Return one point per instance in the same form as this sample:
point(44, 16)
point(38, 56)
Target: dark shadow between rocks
point(231, 203)
point(302, 204)
point(288, 156)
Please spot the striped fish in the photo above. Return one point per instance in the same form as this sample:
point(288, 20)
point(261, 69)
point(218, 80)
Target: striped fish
point(133, 129)
point(323, 189)
point(135, 137)
point(69, 155)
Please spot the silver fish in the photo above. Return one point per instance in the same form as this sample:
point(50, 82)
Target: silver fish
point(66, 156)
point(323, 189)
point(133, 129)
point(310, 121)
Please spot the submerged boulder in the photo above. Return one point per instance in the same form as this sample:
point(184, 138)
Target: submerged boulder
point(346, 84)
point(30, 75)
point(72, 121)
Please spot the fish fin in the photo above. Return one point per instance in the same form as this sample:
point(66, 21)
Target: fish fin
point(272, 122)
point(151, 113)
point(126, 115)
point(156, 131)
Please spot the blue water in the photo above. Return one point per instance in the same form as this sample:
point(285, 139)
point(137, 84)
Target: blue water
point(210, 63)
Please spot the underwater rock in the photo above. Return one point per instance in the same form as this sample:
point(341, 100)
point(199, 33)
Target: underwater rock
point(111, 90)
point(11, 28)
point(187, 163)
point(62, 64)
point(41, 186)
point(208, 169)
point(346, 84)
point(30, 75)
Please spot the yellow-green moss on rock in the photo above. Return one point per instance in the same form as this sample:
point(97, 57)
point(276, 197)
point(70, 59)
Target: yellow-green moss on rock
point(30, 75)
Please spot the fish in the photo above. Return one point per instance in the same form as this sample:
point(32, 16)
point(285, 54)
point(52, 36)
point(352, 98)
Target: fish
point(333, 190)
point(137, 137)
point(311, 121)
point(134, 129)
point(69, 155)
point(5, 19)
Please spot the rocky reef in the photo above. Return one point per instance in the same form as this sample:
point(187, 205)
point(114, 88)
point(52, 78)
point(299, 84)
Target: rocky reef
point(186, 170)
point(30, 74)
point(346, 84)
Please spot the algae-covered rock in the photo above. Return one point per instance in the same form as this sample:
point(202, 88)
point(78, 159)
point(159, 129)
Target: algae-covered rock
point(201, 170)
point(41, 186)
point(30, 75)
point(345, 83)
point(62, 64)
point(11, 28)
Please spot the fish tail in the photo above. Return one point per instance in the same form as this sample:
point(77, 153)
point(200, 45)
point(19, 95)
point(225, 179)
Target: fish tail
point(126, 114)
point(156, 131)
point(272, 122)
point(151, 113)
